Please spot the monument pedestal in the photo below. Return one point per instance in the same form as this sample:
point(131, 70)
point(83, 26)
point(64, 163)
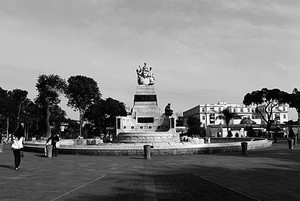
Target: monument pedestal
point(146, 124)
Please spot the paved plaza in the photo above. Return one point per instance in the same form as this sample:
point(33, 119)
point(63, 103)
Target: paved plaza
point(272, 173)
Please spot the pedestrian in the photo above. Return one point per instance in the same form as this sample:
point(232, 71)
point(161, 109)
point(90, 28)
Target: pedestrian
point(45, 149)
point(54, 141)
point(17, 141)
point(291, 133)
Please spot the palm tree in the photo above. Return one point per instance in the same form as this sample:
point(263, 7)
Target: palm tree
point(227, 115)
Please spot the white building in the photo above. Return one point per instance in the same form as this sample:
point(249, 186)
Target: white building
point(208, 113)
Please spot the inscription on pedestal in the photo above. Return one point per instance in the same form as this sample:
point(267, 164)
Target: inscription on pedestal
point(145, 98)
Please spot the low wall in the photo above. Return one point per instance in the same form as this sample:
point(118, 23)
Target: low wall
point(114, 149)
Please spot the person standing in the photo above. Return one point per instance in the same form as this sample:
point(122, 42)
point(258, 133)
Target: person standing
point(17, 141)
point(54, 140)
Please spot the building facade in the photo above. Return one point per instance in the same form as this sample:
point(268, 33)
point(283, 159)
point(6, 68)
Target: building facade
point(208, 114)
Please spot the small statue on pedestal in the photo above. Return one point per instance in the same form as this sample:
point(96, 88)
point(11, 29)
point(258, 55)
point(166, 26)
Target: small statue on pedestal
point(168, 111)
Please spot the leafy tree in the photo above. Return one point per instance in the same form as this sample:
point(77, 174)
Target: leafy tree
point(227, 115)
point(103, 113)
point(71, 130)
point(267, 99)
point(82, 92)
point(57, 117)
point(114, 108)
point(294, 101)
point(96, 115)
point(4, 109)
point(194, 127)
point(32, 116)
point(12, 104)
point(49, 88)
point(18, 97)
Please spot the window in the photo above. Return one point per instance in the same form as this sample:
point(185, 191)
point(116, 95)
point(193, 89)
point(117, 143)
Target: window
point(145, 119)
point(203, 117)
point(212, 118)
point(284, 116)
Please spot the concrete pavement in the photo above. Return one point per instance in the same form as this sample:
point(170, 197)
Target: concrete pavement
point(272, 173)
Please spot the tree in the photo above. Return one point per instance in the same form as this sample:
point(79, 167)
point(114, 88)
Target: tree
point(71, 129)
point(58, 116)
point(265, 101)
point(82, 92)
point(12, 104)
point(227, 115)
point(103, 113)
point(4, 109)
point(114, 108)
point(294, 102)
point(18, 97)
point(49, 88)
point(194, 127)
point(32, 116)
point(96, 115)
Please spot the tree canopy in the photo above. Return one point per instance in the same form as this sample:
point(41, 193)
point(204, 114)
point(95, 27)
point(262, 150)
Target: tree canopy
point(294, 101)
point(82, 92)
point(103, 113)
point(267, 99)
point(194, 127)
point(49, 88)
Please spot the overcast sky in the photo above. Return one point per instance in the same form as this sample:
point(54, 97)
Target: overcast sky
point(201, 52)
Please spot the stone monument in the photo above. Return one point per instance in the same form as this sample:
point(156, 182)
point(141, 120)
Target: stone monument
point(146, 123)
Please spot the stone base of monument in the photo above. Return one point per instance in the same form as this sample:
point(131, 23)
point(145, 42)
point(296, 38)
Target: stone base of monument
point(146, 123)
point(158, 137)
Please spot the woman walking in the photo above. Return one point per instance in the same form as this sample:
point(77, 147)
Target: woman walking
point(17, 145)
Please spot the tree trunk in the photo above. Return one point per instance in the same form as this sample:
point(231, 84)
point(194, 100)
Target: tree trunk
point(227, 127)
point(47, 121)
point(269, 128)
point(298, 123)
point(19, 111)
point(80, 122)
point(7, 127)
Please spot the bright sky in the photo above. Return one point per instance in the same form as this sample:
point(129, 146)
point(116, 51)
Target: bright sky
point(201, 51)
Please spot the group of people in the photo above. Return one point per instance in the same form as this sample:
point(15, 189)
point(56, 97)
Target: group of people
point(17, 144)
point(52, 140)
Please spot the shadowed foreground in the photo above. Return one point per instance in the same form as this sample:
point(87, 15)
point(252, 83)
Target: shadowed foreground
point(268, 174)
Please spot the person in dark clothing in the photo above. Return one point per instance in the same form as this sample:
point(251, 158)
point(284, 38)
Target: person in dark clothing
point(54, 139)
point(291, 133)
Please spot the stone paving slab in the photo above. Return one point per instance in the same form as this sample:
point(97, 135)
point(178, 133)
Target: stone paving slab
point(272, 173)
